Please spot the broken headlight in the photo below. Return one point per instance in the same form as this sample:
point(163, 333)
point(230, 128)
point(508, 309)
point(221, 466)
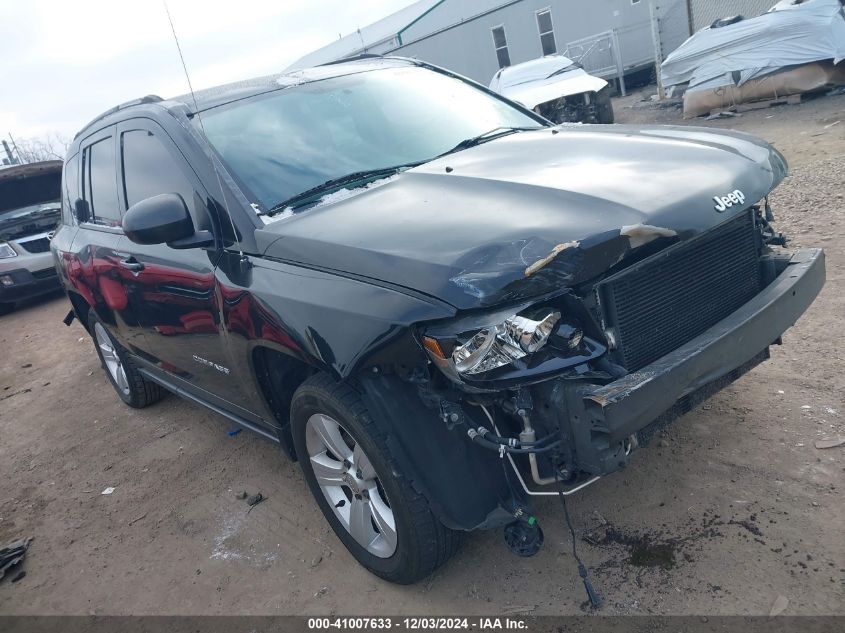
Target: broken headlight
point(497, 345)
point(6, 251)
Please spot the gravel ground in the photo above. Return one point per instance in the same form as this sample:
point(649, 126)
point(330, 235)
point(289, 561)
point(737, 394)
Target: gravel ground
point(732, 508)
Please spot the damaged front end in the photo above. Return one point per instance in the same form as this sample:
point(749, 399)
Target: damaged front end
point(560, 389)
point(584, 107)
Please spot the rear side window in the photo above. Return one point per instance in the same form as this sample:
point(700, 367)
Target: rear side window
point(101, 183)
point(149, 169)
point(70, 188)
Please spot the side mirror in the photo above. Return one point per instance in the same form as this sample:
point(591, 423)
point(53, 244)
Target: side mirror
point(164, 219)
point(80, 210)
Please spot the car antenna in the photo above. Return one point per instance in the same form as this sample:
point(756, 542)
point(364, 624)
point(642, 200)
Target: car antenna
point(243, 259)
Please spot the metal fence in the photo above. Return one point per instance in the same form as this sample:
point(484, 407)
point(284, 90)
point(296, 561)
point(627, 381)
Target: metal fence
point(704, 12)
point(599, 55)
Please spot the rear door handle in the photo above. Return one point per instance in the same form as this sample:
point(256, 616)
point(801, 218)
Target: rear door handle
point(132, 264)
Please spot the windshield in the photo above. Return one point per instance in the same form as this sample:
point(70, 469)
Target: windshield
point(30, 220)
point(286, 142)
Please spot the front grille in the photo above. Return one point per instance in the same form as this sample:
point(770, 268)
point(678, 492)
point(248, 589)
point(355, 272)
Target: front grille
point(664, 301)
point(45, 274)
point(41, 245)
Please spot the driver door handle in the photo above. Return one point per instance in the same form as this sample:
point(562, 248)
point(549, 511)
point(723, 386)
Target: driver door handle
point(132, 264)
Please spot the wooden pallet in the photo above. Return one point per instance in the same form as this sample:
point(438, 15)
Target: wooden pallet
point(758, 105)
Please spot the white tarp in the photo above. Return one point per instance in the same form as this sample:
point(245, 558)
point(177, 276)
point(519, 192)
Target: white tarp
point(793, 32)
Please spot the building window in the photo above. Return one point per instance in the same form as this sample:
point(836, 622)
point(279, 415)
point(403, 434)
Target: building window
point(547, 32)
point(500, 42)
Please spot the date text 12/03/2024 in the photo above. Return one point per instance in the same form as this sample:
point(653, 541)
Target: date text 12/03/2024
point(419, 623)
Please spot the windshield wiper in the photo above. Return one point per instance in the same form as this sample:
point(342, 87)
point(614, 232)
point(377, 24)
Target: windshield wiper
point(489, 135)
point(355, 176)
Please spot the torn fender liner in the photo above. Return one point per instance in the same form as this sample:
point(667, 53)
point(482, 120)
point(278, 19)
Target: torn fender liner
point(12, 554)
point(464, 485)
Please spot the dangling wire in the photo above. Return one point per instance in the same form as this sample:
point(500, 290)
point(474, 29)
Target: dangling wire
point(202, 127)
point(594, 598)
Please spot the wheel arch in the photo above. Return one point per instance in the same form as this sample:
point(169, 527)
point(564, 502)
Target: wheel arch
point(278, 375)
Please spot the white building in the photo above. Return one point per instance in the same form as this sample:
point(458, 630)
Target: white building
point(477, 37)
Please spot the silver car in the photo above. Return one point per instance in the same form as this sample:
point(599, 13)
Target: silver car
point(30, 209)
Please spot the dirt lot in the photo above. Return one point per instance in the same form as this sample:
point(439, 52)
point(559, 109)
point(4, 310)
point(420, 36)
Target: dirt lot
point(731, 509)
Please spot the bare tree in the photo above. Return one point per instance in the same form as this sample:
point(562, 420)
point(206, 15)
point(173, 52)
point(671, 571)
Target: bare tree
point(51, 147)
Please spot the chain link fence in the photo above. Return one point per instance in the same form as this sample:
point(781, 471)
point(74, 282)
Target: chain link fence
point(703, 13)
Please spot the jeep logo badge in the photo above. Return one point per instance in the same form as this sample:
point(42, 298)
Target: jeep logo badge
point(724, 202)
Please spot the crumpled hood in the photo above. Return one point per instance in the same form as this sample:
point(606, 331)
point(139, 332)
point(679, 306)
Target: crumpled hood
point(572, 82)
point(532, 212)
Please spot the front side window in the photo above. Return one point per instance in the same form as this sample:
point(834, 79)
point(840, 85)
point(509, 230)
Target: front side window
point(500, 43)
point(547, 32)
point(149, 169)
point(283, 143)
point(101, 183)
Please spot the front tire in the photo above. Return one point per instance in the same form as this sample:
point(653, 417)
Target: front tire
point(360, 488)
point(130, 385)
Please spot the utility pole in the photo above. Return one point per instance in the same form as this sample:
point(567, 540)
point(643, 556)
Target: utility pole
point(19, 160)
point(658, 48)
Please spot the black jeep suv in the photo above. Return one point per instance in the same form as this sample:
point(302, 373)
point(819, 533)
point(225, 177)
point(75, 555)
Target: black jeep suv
point(436, 301)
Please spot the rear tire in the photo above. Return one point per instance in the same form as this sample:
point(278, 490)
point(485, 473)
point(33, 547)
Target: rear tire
point(6, 308)
point(130, 385)
point(418, 543)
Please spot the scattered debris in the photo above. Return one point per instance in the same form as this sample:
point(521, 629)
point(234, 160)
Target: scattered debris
point(243, 494)
point(779, 605)
point(722, 114)
point(830, 442)
point(234, 432)
point(12, 554)
point(26, 365)
point(255, 499)
point(321, 592)
point(316, 560)
point(15, 393)
point(136, 519)
point(108, 491)
point(830, 125)
point(518, 610)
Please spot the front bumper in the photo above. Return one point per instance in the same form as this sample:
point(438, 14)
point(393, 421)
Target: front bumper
point(28, 284)
point(605, 416)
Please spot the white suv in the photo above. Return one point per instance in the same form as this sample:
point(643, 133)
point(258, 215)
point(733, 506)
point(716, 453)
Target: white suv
point(30, 209)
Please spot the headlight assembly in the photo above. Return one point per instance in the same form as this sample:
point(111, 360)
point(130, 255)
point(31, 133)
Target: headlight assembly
point(6, 251)
point(495, 346)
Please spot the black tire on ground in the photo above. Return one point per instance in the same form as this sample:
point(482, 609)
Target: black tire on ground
point(604, 112)
point(5, 308)
point(139, 391)
point(423, 543)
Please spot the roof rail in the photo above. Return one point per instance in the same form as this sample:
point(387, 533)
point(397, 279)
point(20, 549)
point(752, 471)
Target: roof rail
point(117, 108)
point(352, 58)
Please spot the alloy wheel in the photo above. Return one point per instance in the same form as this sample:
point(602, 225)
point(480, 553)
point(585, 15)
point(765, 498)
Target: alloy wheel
point(351, 485)
point(111, 359)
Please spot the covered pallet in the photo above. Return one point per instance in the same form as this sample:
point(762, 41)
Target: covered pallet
point(796, 47)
